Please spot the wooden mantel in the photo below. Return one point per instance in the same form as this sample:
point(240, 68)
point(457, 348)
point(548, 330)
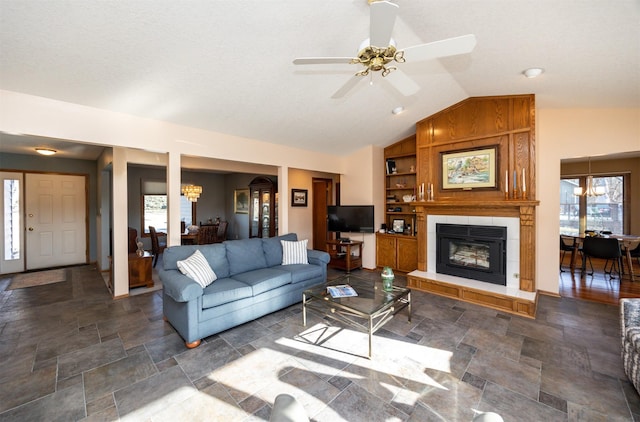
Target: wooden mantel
point(506, 124)
point(522, 209)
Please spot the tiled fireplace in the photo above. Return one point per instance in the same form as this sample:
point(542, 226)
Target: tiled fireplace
point(473, 251)
point(517, 294)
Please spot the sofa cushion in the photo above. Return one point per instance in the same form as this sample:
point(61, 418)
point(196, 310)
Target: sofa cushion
point(223, 291)
point(273, 248)
point(197, 268)
point(173, 254)
point(245, 255)
point(264, 279)
point(216, 255)
point(301, 272)
point(294, 252)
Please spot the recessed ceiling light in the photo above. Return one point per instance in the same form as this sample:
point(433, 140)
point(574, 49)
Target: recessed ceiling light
point(397, 110)
point(46, 151)
point(533, 72)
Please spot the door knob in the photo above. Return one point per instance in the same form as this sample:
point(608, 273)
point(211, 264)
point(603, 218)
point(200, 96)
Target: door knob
point(30, 229)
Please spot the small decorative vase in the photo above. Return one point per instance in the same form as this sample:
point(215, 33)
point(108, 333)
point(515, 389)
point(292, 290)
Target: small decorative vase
point(387, 279)
point(140, 251)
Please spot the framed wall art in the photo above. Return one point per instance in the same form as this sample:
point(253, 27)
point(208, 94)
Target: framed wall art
point(241, 201)
point(298, 197)
point(469, 169)
point(398, 225)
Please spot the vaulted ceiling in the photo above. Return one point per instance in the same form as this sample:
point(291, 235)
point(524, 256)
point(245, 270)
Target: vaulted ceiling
point(226, 66)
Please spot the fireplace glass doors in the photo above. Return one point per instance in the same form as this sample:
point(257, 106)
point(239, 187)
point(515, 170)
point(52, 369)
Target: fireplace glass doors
point(474, 252)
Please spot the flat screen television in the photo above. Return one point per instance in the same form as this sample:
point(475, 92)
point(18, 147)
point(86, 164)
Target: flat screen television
point(350, 218)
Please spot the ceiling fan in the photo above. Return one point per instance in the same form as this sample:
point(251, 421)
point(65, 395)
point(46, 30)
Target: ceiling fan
point(379, 50)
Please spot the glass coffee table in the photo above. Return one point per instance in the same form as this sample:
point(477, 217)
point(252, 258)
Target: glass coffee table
point(367, 312)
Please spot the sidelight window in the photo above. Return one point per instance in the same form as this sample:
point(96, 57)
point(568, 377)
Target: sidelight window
point(11, 219)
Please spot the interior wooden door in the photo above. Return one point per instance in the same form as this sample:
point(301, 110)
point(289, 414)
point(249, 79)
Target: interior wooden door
point(322, 197)
point(56, 210)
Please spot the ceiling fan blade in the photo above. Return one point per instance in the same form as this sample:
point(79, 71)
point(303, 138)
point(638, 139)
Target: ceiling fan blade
point(381, 21)
point(322, 60)
point(442, 48)
point(400, 81)
point(348, 86)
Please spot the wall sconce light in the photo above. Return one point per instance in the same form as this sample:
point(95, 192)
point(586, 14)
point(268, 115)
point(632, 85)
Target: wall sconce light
point(46, 151)
point(192, 192)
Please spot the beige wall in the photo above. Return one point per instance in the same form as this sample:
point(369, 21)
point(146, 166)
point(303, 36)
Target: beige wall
point(300, 218)
point(571, 133)
point(362, 184)
point(561, 133)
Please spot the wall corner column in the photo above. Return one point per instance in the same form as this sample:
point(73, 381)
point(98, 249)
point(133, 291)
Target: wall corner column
point(120, 255)
point(173, 193)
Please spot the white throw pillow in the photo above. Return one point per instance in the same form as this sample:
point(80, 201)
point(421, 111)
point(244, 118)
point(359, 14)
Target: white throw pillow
point(294, 252)
point(197, 268)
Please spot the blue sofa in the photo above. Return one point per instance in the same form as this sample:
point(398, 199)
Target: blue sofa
point(251, 282)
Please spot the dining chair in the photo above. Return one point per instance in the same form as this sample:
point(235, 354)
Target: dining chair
point(603, 248)
point(221, 235)
point(567, 244)
point(157, 247)
point(206, 235)
point(634, 253)
point(133, 240)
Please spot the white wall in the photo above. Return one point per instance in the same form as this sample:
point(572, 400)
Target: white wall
point(31, 115)
point(568, 133)
point(27, 114)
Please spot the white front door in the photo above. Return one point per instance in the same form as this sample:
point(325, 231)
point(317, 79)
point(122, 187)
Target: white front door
point(55, 220)
point(12, 223)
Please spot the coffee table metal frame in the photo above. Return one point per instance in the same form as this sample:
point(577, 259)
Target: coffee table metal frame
point(320, 301)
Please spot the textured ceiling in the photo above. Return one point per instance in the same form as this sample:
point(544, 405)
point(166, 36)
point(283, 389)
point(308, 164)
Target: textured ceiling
point(226, 66)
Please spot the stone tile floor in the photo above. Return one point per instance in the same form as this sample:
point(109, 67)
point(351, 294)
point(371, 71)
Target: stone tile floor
point(70, 352)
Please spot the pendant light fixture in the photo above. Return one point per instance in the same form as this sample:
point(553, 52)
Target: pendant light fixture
point(590, 190)
point(192, 192)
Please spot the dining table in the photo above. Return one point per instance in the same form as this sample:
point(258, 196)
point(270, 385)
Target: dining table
point(627, 244)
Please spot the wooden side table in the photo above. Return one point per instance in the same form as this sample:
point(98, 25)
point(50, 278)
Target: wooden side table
point(140, 270)
point(345, 255)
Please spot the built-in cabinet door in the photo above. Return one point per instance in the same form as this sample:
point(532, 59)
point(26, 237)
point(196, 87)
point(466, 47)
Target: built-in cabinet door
point(385, 251)
point(407, 254)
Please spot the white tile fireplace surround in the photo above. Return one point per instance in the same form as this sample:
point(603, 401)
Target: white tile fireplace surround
point(512, 289)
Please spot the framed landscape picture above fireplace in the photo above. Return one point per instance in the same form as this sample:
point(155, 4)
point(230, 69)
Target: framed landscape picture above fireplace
point(470, 169)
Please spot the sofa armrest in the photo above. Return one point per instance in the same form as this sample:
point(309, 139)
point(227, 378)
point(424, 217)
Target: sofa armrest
point(317, 257)
point(629, 315)
point(180, 287)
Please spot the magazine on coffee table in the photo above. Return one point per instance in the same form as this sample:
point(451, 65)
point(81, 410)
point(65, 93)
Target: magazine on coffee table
point(342, 290)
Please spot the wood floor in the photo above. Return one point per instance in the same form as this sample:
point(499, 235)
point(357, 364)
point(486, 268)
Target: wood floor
point(599, 287)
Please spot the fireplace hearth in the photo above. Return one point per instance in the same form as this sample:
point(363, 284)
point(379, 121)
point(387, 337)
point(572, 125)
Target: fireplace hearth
point(472, 251)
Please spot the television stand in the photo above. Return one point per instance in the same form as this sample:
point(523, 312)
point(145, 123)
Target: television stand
point(346, 255)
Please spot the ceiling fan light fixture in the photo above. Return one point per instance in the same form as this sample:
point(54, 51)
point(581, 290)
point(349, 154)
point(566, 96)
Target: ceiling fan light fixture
point(46, 151)
point(533, 72)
